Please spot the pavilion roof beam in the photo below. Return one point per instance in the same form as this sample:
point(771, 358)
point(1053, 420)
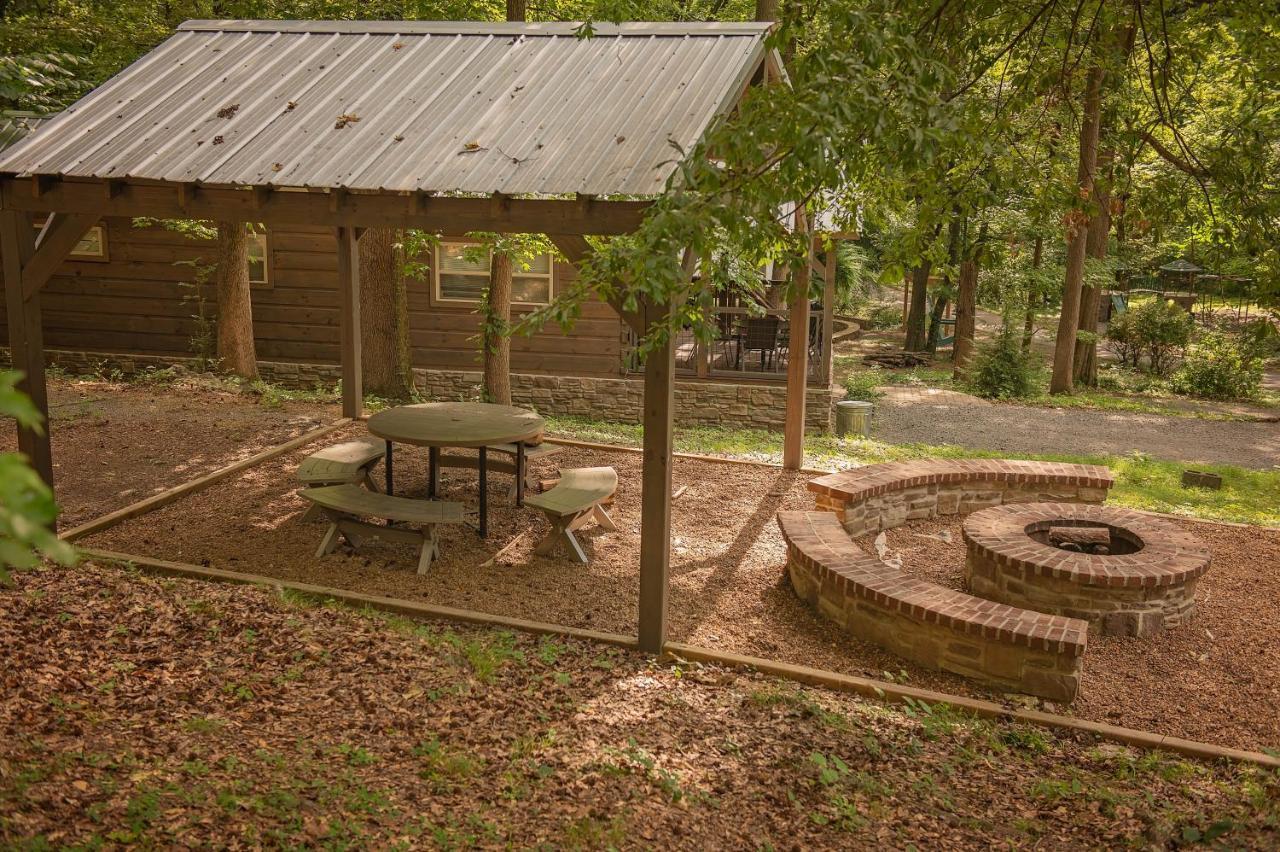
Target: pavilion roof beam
point(444, 214)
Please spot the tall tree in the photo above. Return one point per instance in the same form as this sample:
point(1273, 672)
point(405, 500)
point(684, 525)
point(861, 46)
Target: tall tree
point(1077, 222)
point(235, 308)
point(384, 316)
point(495, 334)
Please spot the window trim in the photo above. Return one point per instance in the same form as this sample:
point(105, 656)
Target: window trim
point(100, 227)
point(268, 258)
point(439, 298)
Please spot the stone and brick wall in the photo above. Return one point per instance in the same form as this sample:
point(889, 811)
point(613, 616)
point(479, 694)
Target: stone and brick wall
point(1132, 594)
point(931, 625)
point(707, 403)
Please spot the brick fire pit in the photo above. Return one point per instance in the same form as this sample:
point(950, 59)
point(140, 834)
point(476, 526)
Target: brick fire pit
point(1125, 573)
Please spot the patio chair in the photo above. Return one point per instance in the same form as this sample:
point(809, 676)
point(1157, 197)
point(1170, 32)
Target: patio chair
point(761, 335)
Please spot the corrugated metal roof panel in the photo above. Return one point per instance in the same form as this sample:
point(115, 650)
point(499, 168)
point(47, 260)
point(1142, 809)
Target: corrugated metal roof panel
point(446, 107)
point(15, 126)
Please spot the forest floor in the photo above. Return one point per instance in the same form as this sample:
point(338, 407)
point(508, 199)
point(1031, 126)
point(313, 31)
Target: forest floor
point(177, 714)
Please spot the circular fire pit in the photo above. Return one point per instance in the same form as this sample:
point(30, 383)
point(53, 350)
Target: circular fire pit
point(1124, 572)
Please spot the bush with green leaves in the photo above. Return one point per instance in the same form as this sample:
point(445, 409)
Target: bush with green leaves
point(864, 384)
point(1158, 329)
point(1001, 370)
point(1219, 367)
point(884, 316)
point(27, 510)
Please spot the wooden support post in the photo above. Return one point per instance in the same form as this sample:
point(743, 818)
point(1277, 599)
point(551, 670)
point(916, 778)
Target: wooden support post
point(797, 357)
point(349, 321)
point(655, 508)
point(26, 338)
point(829, 311)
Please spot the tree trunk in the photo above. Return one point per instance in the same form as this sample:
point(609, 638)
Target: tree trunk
point(917, 329)
point(935, 321)
point(966, 313)
point(1065, 345)
point(384, 317)
point(1086, 355)
point(235, 307)
point(766, 10)
point(515, 10)
point(497, 340)
point(1033, 298)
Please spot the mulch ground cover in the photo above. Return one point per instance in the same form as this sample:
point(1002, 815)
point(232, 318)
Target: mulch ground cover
point(1216, 680)
point(136, 711)
point(115, 444)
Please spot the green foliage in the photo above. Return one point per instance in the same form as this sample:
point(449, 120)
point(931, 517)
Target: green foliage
point(864, 384)
point(27, 510)
point(41, 83)
point(1156, 328)
point(1001, 370)
point(884, 316)
point(1219, 367)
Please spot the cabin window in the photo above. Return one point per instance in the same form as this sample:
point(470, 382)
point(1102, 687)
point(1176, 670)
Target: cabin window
point(461, 277)
point(256, 249)
point(92, 246)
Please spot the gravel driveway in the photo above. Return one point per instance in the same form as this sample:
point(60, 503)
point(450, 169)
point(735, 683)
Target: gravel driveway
point(910, 415)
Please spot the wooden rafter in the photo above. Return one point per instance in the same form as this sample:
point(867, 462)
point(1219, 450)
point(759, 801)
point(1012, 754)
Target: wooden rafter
point(326, 208)
point(57, 239)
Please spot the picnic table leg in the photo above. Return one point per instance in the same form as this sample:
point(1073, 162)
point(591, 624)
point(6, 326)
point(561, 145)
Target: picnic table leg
point(520, 465)
point(484, 494)
point(433, 471)
point(388, 469)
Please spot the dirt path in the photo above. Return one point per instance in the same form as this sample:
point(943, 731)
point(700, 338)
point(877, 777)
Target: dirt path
point(916, 415)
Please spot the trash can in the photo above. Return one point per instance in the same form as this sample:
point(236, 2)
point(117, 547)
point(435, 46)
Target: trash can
point(853, 416)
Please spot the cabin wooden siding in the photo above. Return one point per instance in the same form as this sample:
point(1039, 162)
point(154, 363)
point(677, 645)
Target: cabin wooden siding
point(142, 300)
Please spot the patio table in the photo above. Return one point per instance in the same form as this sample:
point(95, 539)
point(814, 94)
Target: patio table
point(476, 425)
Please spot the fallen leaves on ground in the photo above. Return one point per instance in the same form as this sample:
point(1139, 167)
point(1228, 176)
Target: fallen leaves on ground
point(174, 713)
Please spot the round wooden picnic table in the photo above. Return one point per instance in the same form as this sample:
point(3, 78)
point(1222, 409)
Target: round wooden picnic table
point(477, 425)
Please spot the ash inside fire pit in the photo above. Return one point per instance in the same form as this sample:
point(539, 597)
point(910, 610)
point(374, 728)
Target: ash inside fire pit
point(1091, 539)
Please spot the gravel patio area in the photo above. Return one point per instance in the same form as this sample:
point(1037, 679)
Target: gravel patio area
point(1214, 681)
point(115, 444)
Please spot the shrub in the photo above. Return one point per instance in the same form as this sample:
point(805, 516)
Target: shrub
point(1001, 370)
point(884, 316)
point(1158, 329)
point(863, 383)
point(1218, 367)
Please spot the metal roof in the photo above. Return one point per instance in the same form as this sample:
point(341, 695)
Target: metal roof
point(444, 107)
point(17, 125)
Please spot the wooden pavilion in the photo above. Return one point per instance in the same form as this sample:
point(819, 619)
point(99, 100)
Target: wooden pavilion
point(440, 126)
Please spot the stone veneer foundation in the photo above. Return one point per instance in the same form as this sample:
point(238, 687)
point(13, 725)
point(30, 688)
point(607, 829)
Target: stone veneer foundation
point(707, 403)
point(1139, 593)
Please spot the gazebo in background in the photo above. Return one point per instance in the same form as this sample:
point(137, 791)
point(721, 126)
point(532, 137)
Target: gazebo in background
point(448, 127)
point(1178, 282)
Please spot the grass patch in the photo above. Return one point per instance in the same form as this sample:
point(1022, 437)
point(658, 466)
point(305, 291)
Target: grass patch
point(1155, 485)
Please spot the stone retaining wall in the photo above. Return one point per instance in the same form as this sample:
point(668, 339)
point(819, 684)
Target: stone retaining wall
point(707, 403)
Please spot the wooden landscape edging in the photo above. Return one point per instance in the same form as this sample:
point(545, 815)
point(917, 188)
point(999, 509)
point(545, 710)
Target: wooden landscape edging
point(898, 693)
point(400, 606)
point(164, 498)
point(866, 687)
point(594, 445)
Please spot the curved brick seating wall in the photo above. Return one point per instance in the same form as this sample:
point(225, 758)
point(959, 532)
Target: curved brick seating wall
point(1019, 649)
point(1131, 594)
point(927, 623)
point(881, 496)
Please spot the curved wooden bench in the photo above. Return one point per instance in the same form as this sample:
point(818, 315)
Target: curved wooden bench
point(934, 626)
point(346, 504)
point(532, 452)
point(348, 463)
point(574, 501)
point(880, 496)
